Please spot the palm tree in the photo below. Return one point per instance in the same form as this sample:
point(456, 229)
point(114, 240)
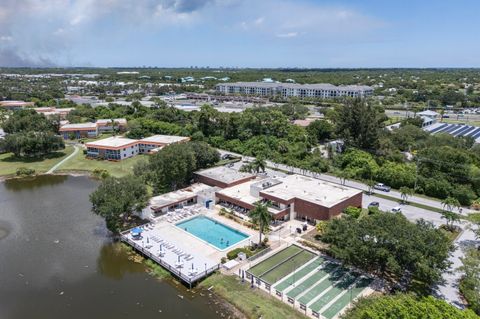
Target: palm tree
point(259, 165)
point(370, 184)
point(450, 217)
point(450, 203)
point(260, 216)
point(405, 192)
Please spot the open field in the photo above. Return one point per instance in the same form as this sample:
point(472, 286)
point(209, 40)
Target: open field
point(254, 303)
point(121, 168)
point(9, 164)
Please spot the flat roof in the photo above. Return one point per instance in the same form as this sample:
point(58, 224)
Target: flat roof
point(114, 142)
point(164, 139)
point(224, 174)
point(80, 126)
point(316, 86)
point(241, 192)
point(177, 196)
point(109, 121)
point(310, 189)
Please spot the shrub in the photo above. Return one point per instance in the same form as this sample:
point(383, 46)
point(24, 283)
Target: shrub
point(352, 211)
point(100, 173)
point(24, 171)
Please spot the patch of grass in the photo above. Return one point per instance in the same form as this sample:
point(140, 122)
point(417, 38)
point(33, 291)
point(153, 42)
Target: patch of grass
point(254, 303)
point(9, 163)
point(451, 235)
point(118, 169)
point(422, 206)
point(156, 270)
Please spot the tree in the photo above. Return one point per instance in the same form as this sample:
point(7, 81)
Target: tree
point(259, 164)
point(450, 217)
point(390, 246)
point(450, 203)
point(470, 282)
point(405, 192)
point(370, 186)
point(359, 123)
point(405, 306)
point(260, 216)
point(117, 199)
point(32, 144)
point(320, 130)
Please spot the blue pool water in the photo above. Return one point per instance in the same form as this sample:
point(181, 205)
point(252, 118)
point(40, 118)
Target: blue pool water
point(213, 232)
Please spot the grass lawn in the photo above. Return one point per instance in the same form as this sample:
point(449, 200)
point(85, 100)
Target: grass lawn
point(9, 163)
point(118, 169)
point(254, 303)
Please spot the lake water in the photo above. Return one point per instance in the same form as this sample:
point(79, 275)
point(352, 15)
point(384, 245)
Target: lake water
point(57, 261)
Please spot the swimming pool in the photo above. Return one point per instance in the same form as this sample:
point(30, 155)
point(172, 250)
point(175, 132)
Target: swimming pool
point(215, 233)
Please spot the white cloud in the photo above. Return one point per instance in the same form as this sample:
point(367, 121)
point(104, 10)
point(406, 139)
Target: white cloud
point(287, 35)
point(6, 38)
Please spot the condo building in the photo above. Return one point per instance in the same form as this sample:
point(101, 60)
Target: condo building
point(323, 91)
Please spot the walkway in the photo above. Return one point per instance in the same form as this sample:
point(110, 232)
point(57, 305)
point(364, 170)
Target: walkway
point(51, 170)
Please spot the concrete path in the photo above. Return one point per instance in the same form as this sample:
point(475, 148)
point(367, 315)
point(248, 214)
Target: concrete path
point(51, 170)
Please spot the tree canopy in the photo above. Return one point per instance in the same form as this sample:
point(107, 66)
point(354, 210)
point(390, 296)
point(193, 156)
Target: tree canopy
point(116, 199)
point(390, 246)
point(405, 306)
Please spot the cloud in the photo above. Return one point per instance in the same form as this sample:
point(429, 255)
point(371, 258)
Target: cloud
point(34, 32)
point(287, 35)
point(11, 58)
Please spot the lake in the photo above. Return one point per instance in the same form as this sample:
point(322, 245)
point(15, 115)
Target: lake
point(57, 261)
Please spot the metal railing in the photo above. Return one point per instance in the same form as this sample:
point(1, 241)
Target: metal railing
point(189, 279)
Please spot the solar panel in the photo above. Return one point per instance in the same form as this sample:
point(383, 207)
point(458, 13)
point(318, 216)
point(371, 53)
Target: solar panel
point(477, 129)
point(450, 129)
point(476, 135)
point(438, 128)
point(461, 130)
point(470, 129)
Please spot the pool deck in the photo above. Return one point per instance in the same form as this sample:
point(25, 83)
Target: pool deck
point(194, 252)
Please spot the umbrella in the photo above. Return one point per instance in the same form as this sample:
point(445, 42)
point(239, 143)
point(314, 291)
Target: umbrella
point(136, 231)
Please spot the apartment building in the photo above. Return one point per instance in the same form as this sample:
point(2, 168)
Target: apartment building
point(322, 91)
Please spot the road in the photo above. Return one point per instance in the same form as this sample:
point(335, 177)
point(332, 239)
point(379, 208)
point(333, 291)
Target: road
point(75, 151)
point(358, 185)
point(447, 291)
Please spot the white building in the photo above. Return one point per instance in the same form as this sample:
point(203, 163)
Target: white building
point(294, 90)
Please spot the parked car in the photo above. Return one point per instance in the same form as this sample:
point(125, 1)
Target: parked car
point(382, 187)
point(374, 204)
point(397, 209)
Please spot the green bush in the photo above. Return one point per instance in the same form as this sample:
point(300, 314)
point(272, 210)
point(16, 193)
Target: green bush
point(352, 211)
point(23, 171)
point(232, 254)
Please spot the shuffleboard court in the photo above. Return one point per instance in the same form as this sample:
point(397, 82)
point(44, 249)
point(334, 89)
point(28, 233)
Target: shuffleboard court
point(334, 292)
point(287, 267)
point(346, 298)
point(264, 266)
point(319, 288)
point(298, 275)
point(312, 280)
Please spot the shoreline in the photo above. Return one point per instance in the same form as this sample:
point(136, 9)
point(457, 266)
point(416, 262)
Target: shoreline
point(73, 173)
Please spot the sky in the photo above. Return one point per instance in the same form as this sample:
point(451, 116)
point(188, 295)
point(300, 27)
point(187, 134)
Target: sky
point(240, 33)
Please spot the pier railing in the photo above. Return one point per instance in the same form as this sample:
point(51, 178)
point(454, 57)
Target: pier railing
point(189, 279)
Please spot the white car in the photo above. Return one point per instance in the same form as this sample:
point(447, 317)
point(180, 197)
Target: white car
point(397, 209)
